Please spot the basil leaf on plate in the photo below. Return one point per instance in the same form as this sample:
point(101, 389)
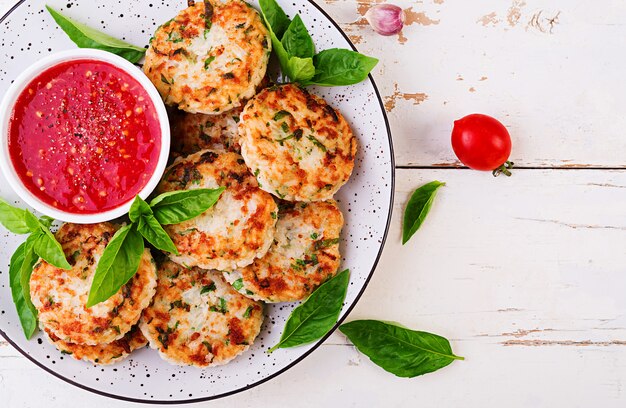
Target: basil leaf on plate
point(25, 309)
point(401, 351)
point(274, 16)
point(117, 265)
point(418, 208)
point(300, 69)
point(138, 208)
point(87, 37)
point(12, 218)
point(153, 232)
point(44, 243)
point(26, 270)
point(277, 46)
point(46, 221)
point(317, 315)
point(297, 41)
point(338, 66)
point(175, 207)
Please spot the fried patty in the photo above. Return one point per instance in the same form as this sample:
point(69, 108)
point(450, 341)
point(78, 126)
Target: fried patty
point(198, 319)
point(299, 147)
point(192, 132)
point(209, 64)
point(102, 354)
point(60, 295)
point(305, 253)
point(237, 229)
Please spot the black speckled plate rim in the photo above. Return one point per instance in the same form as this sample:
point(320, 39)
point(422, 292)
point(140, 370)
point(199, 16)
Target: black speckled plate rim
point(319, 343)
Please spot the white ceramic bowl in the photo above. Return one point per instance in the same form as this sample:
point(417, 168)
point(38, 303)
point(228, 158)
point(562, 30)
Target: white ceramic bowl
point(6, 110)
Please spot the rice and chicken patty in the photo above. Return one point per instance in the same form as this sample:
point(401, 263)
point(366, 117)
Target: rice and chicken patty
point(198, 319)
point(192, 132)
point(298, 147)
point(103, 354)
point(237, 229)
point(305, 253)
point(208, 59)
point(60, 295)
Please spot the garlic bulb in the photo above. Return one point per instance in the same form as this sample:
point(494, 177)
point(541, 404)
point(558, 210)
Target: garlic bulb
point(385, 19)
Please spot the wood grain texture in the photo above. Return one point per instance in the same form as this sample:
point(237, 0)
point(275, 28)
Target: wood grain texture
point(525, 274)
point(548, 69)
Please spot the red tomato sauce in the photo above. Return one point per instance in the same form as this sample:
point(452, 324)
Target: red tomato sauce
point(84, 136)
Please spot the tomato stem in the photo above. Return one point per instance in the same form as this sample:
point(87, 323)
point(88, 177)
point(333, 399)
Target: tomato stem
point(504, 169)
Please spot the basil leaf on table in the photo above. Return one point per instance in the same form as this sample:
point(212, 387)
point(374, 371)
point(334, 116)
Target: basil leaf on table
point(117, 265)
point(418, 208)
point(25, 309)
point(398, 350)
point(297, 41)
point(317, 315)
point(300, 69)
point(338, 66)
point(12, 218)
point(87, 37)
point(175, 207)
point(274, 16)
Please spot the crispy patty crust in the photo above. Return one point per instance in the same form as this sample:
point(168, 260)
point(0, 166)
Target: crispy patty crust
point(102, 354)
point(305, 253)
point(60, 296)
point(198, 319)
point(298, 146)
point(209, 65)
point(192, 132)
point(237, 229)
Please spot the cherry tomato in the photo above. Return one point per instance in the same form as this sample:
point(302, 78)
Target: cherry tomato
point(482, 143)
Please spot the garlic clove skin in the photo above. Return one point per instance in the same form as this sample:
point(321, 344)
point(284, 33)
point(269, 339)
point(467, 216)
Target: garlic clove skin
point(385, 19)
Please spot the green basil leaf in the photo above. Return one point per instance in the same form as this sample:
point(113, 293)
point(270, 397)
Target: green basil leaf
point(401, 351)
point(118, 264)
point(46, 221)
point(274, 16)
point(418, 208)
point(153, 232)
point(317, 315)
point(12, 218)
point(297, 41)
point(277, 46)
point(44, 243)
point(175, 207)
point(25, 309)
point(30, 259)
point(138, 208)
point(87, 37)
point(32, 222)
point(300, 69)
point(340, 67)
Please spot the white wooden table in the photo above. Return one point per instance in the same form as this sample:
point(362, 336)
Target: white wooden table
point(526, 275)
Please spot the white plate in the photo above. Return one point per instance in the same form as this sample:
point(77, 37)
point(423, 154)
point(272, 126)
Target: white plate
point(28, 33)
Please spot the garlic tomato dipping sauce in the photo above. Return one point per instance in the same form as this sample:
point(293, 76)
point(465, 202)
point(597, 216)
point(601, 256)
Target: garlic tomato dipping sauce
point(84, 136)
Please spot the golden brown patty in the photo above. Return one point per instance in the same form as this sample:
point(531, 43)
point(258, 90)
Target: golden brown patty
point(209, 68)
point(237, 229)
point(298, 146)
point(192, 132)
point(198, 319)
point(102, 354)
point(304, 254)
point(60, 296)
